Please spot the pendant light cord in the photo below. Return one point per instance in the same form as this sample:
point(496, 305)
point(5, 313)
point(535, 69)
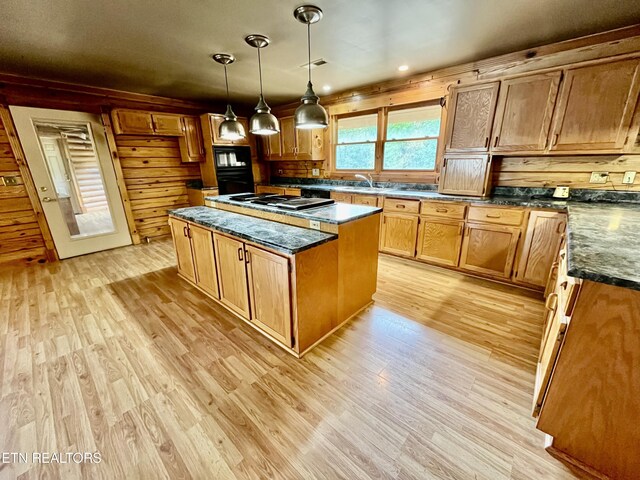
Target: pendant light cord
point(260, 70)
point(309, 48)
point(226, 81)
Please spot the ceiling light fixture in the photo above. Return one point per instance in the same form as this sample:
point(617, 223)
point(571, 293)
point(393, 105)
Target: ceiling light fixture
point(230, 128)
point(310, 114)
point(403, 68)
point(263, 122)
point(327, 88)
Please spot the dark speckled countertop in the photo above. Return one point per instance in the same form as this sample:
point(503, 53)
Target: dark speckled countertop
point(283, 238)
point(337, 213)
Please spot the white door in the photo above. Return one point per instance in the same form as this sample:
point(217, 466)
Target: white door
point(71, 166)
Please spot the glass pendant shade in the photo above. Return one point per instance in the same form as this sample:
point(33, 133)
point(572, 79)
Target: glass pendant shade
point(231, 128)
point(263, 122)
point(310, 114)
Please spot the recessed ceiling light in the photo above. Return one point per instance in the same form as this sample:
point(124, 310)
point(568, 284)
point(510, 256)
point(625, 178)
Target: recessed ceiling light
point(326, 88)
point(403, 68)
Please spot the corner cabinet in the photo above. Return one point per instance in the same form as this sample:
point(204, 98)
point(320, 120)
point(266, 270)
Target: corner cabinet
point(470, 117)
point(465, 175)
point(595, 107)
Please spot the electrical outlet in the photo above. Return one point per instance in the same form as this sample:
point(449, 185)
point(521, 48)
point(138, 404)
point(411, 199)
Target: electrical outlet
point(10, 181)
point(561, 192)
point(279, 171)
point(315, 172)
point(599, 177)
point(314, 224)
point(629, 178)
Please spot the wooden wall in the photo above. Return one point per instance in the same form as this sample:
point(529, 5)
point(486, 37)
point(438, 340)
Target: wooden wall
point(296, 169)
point(20, 235)
point(155, 178)
point(572, 171)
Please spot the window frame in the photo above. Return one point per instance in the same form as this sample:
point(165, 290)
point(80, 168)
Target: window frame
point(335, 143)
point(378, 172)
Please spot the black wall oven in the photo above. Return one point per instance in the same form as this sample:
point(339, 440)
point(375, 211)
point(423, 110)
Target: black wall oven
point(233, 169)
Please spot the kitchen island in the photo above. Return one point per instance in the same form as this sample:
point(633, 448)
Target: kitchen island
point(295, 283)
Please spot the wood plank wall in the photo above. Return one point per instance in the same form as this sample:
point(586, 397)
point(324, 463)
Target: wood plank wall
point(155, 177)
point(572, 171)
point(296, 169)
point(20, 236)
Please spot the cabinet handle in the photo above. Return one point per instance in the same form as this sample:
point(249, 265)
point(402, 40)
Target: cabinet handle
point(188, 231)
point(555, 139)
point(184, 231)
point(486, 142)
point(460, 228)
point(442, 210)
point(240, 257)
point(247, 256)
point(562, 255)
point(564, 285)
point(547, 304)
point(489, 215)
point(561, 227)
point(399, 205)
point(495, 143)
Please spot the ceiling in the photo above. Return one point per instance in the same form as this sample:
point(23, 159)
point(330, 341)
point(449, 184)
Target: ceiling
point(163, 47)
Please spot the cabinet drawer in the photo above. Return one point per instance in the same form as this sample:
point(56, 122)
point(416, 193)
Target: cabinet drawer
point(341, 197)
point(365, 200)
point(502, 216)
point(443, 209)
point(402, 206)
point(293, 191)
point(269, 189)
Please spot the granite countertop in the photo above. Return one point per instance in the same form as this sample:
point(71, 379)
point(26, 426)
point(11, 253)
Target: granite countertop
point(278, 236)
point(337, 213)
point(603, 243)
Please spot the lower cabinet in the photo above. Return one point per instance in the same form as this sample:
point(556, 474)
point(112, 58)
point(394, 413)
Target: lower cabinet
point(269, 189)
point(489, 249)
point(182, 246)
point(440, 240)
point(342, 197)
point(232, 274)
point(398, 234)
point(204, 259)
point(269, 292)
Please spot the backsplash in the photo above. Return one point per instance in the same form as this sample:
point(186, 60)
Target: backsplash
point(352, 183)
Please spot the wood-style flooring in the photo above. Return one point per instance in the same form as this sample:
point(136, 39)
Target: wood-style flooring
point(111, 352)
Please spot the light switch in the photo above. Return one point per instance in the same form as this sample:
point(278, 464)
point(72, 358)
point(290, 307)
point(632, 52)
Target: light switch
point(315, 172)
point(314, 224)
point(599, 177)
point(629, 178)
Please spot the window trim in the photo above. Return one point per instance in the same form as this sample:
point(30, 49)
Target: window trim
point(378, 172)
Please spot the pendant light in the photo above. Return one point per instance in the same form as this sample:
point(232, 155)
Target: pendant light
point(310, 114)
point(263, 122)
point(230, 128)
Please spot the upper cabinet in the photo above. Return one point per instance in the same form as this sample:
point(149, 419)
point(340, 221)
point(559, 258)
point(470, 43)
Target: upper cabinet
point(215, 120)
point(191, 143)
point(294, 144)
point(470, 117)
point(595, 107)
point(465, 175)
point(139, 122)
point(524, 112)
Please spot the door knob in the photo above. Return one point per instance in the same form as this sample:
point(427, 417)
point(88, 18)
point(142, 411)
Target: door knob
point(48, 199)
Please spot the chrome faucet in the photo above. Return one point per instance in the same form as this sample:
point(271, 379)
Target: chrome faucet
point(367, 179)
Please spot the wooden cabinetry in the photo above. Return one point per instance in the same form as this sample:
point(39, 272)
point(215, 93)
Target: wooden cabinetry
point(489, 249)
point(541, 244)
point(294, 144)
point(465, 175)
point(399, 233)
point(182, 246)
point(191, 143)
point(215, 120)
point(595, 107)
point(269, 293)
point(342, 197)
point(232, 274)
point(524, 112)
point(146, 123)
point(206, 276)
point(470, 117)
point(269, 189)
point(439, 240)
point(369, 200)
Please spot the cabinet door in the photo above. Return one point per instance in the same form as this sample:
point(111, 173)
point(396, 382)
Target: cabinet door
point(273, 146)
point(595, 107)
point(132, 122)
point(167, 124)
point(215, 121)
point(524, 112)
point(191, 144)
point(341, 197)
point(204, 260)
point(399, 234)
point(269, 189)
point(245, 140)
point(232, 274)
point(304, 144)
point(470, 117)
point(540, 249)
point(270, 293)
point(182, 246)
point(439, 241)
point(465, 175)
point(288, 135)
point(489, 249)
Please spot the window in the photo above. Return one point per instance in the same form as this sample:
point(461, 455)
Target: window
point(412, 138)
point(409, 142)
point(356, 145)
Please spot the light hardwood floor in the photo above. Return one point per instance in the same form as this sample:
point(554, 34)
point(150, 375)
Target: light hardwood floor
point(112, 352)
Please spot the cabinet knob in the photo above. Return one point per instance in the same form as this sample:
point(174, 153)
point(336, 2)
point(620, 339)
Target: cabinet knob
point(240, 256)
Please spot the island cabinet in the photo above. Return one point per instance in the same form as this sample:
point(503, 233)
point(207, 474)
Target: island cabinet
point(470, 117)
point(232, 275)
